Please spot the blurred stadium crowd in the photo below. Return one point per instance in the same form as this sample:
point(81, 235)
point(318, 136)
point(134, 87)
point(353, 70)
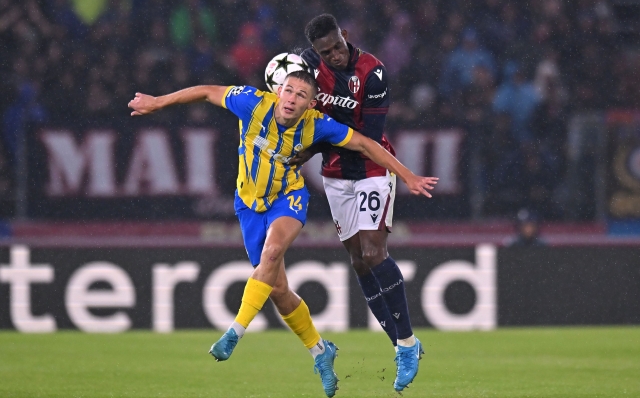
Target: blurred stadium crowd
point(509, 73)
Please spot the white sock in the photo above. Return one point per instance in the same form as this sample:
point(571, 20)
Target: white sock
point(408, 342)
point(238, 328)
point(317, 349)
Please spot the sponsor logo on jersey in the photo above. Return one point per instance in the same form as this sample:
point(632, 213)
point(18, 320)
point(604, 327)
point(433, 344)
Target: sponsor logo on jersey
point(354, 84)
point(316, 72)
point(378, 72)
point(337, 100)
point(381, 95)
point(263, 144)
point(236, 90)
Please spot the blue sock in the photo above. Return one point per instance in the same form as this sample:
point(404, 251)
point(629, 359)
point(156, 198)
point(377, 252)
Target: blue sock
point(392, 287)
point(371, 289)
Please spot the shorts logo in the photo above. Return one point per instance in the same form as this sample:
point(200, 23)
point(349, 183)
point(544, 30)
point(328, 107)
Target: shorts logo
point(354, 84)
point(374, 217)
point(263, 144)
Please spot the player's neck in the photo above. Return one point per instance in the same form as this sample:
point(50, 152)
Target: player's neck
point(286, 122)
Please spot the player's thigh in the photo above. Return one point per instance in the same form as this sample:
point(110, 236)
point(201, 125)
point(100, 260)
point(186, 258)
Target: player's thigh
point(376, 196)
point(344, 206)
point(286, 217)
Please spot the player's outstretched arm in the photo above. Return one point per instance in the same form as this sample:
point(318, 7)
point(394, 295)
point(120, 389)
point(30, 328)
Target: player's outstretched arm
point(143, 104)
point(371, 149)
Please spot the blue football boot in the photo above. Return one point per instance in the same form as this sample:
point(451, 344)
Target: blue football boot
point(223, 348)
point(407, 361)
point(324, 365)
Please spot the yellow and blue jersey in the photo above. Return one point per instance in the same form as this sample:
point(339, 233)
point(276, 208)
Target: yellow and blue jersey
point(266, 146)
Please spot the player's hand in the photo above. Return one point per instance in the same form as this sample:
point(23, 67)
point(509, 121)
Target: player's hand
point(421, 185)
point(301, 158)
point(142, 104)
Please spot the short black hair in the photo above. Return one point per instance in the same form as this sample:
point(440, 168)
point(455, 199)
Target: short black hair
point(320, 26)
point(305, 77)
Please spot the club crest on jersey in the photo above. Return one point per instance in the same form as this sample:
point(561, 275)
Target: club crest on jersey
point(354, 84)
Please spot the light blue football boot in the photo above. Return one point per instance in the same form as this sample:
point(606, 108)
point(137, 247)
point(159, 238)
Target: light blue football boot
point(407, 359)
point(324, 365)
point(223, 348)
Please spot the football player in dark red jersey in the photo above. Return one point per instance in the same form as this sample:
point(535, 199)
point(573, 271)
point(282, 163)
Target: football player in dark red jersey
point(354, 91)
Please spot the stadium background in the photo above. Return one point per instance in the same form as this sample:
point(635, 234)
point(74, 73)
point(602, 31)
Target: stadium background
point(513, 104)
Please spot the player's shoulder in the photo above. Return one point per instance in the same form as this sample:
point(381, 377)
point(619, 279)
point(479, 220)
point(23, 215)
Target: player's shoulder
point(367, 61)
point(246, 97)
point(246, 90)
point(311, 57)
point(313, 116)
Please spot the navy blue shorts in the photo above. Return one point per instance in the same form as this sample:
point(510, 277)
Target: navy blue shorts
point(254, 225)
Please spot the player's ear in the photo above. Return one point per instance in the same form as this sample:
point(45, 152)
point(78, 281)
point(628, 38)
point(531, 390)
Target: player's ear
point(345, 34)
point(312, 104)
point(279, 90)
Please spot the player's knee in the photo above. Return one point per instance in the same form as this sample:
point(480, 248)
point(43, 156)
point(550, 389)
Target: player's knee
point(279, 291)
point(272, 254)
point(373, 256)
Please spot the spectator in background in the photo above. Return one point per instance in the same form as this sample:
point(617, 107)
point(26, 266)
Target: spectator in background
point(517, 98)
point(457, 73)
point(396, 50)
point(549, 121)
point(191, 19)
point(248, 55)
point(264, 15)
point(65, 17)
point(25, 110)
point(528, 231)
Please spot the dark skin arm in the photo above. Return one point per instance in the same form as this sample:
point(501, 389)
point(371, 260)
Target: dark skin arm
point(303, 157)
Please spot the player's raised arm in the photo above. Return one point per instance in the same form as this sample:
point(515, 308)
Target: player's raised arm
point(371, 149)
point(144, 104)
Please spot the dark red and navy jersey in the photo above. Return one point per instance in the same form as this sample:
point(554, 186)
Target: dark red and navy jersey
point(357, 96)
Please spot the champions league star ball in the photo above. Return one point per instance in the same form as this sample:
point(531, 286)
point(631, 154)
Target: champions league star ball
point(280, 66)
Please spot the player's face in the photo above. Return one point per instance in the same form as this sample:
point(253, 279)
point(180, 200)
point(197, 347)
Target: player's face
point(296, 96)
point(333, 49)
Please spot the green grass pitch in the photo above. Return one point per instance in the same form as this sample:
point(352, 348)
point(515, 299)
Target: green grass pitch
point(532, 362)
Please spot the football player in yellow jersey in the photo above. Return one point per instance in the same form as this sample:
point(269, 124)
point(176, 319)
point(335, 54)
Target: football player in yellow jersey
point(271, 198)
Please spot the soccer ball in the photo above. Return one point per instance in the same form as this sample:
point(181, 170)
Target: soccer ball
point(280, 66)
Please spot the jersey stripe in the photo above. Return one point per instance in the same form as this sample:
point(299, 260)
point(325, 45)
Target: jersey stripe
point(263, 173)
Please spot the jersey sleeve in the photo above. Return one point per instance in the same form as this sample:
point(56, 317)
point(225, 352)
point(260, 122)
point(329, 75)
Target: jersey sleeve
point(329, 130)
point(311, 58)
point(376, 103)
point(240, 100)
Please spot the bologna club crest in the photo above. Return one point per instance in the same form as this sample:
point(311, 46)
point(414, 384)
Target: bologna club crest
point(354, 84)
